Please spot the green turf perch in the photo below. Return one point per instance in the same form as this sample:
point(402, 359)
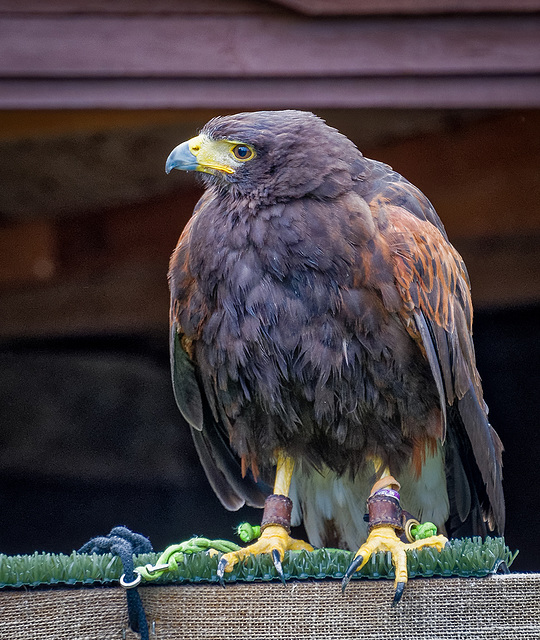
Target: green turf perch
point(467, 557)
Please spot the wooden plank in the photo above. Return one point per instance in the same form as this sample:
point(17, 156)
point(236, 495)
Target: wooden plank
point(304, 93)
point(147, 7)
point(265, 46)
point(377, 7)
point(308, 7)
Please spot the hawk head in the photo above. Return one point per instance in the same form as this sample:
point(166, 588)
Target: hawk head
point(271, 156)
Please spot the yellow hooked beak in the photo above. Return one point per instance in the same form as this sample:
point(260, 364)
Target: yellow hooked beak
point(211, 156)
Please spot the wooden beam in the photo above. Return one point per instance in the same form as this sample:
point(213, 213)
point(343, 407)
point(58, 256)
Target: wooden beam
point(145, 7)
point(377, 7)
point(249, 61)
point(308, 7)
point(498, 92)
point(109, 46)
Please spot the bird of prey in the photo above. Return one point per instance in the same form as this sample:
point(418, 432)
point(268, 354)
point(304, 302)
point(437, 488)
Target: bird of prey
point(321, 340)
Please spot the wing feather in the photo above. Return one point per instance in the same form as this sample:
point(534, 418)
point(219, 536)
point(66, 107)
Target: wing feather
point(433, 360)
point(434, 285)
point(221, 465)
point(185, 387)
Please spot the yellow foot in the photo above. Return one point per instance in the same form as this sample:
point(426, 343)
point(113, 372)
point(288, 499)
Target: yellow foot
point(384, 538)
point(274, 540)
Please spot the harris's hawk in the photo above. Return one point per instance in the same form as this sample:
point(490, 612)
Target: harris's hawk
point(321, 340)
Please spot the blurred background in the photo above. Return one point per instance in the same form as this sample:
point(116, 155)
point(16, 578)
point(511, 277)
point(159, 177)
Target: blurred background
point(93, 97)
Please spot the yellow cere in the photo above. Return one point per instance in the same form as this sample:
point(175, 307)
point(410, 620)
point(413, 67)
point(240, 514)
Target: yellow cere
point(219, 155)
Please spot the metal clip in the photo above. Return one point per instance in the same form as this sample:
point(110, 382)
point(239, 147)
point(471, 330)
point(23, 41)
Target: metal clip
point(130, 585)
point(154, 568)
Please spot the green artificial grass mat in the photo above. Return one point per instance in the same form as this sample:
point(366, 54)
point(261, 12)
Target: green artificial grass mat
point(461, 557)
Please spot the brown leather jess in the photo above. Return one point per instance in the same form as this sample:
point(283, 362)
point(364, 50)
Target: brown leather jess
point(277, 510)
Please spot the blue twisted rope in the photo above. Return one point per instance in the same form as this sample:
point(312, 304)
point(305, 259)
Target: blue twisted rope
point(124, 543)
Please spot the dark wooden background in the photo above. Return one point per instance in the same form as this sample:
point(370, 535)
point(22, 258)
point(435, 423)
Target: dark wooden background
point(94, 95)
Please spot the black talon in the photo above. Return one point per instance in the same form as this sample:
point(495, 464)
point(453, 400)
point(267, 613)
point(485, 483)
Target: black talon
point(400, 588)
point(277, 564)
point(221, 571)
point(350, 572)
point(501, 567)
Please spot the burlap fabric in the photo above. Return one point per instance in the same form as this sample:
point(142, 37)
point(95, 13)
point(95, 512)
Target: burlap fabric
point(496, 607)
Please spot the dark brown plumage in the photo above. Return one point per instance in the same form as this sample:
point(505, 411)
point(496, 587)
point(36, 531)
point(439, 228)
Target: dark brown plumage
point(319, 309)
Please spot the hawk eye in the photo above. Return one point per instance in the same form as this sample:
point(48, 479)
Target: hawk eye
point(242, 152)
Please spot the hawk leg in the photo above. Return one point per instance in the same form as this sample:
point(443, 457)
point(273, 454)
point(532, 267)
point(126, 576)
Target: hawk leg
point(385, 523)
point(275, 527)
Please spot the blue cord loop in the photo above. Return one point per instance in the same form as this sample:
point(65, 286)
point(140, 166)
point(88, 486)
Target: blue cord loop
point(124, 543)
